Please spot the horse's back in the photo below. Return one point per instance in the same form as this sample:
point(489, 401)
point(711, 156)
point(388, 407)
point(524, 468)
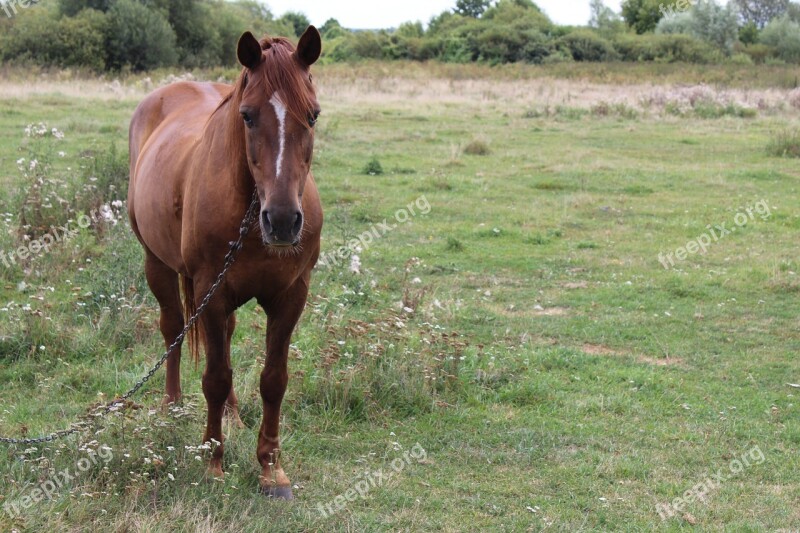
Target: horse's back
point(184, 99)
point(163, 131)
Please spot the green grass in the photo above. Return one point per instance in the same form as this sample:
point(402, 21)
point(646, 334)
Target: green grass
point(785, 143)
point(523, 332)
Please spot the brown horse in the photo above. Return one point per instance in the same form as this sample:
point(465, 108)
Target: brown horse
point(198, 151)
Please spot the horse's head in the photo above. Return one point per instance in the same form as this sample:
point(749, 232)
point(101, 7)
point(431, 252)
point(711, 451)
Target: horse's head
point(278, 111)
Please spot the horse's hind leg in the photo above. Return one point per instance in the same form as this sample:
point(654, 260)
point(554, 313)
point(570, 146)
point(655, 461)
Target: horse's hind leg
point(232, 403)
point(164, 284)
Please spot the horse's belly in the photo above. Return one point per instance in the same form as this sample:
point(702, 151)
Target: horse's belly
point(158, 203)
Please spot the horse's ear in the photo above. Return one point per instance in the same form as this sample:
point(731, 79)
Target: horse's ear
point(248, 51)
point(310, 46)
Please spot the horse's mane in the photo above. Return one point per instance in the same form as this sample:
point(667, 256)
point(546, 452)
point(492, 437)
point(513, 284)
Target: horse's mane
point(281, 72)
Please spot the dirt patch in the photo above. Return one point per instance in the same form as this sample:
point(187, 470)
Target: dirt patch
point(605, 351)
point(597, 349)
point(550, 311)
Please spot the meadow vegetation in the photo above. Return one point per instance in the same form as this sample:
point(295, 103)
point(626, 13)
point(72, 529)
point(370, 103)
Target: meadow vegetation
point(121, 36)
point(523, 332)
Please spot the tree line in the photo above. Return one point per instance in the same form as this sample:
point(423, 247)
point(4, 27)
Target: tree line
point(141, 35)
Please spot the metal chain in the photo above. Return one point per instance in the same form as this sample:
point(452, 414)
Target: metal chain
point(230, 257)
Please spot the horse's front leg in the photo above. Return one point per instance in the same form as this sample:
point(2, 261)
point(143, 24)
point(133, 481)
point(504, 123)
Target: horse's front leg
point(283, 316)
point(217, 379)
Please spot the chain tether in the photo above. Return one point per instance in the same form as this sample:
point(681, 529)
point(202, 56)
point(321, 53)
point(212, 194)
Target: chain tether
point(114, 405)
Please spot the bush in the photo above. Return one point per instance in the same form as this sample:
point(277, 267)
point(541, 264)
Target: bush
point(716, 24)
point(197, 39)
point(373, 167)
point(665, 49)
point(82, 40)
point(678, 23)
point(783, 35)
point(707, 21)
point(585, 45)
point(477, 147)
point(741, 59)
point(758, 53)
point(29, 37)
point(139, 38)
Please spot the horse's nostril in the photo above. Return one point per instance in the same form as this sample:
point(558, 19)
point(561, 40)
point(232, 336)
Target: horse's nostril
point(267, 222)
point(298, 223)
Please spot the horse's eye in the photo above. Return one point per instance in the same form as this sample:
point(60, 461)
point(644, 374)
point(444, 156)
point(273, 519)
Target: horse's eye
point(312, 119)
point(247, 120)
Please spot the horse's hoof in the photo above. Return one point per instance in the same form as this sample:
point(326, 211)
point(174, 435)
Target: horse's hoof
point(215, 472)
point(278, 492)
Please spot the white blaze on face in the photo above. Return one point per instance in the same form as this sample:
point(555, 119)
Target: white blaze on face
point(280, 113)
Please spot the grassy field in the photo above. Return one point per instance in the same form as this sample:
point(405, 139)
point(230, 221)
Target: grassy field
point(589, 322)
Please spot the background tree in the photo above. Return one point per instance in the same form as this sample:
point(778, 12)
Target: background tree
point(471, 8)
point(600, 12)
point(748, 34)
point(298, 21)
point(70, 8)
point(139, 38)
point(783, 35)
point(716, 24)
point(761, 12)
point(642, 15)
point(603, 18)
point(332, 29)
point(708, 21)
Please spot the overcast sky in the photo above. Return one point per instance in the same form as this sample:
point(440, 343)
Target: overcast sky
point(374, 14)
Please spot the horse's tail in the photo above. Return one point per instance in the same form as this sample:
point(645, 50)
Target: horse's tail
point(189, 309)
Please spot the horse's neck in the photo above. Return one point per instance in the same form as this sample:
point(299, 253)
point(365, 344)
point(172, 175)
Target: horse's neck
point(223, 143)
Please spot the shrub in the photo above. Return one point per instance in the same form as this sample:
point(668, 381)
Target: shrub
point(783, 35)
point(197, 39)
point(678, 23)
point(139, 37)
point(642, 15)
point(373, 167)
point(664, 48)
point(70, 8)
point(716, 24)
point(585, 45)
point(741, 59)
point(30, 37)
point(477, 147)
point(366, 45)
point(82, 39)
point(758, 53)
point(707, 21)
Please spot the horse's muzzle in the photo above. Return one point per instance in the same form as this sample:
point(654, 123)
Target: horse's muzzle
point(281, 227)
